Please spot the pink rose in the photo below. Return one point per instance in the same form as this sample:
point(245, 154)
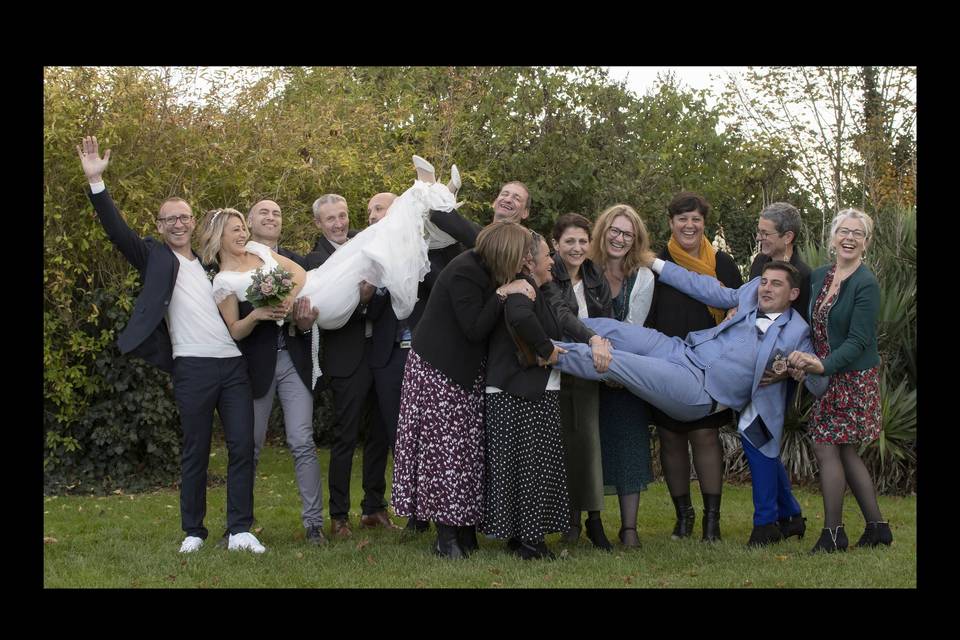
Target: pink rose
point(266, 288)
point(268, 279)
point(287, 282)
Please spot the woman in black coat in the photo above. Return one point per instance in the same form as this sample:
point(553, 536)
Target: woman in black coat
point(439, 455)
point(585, 291)
point(526, 486)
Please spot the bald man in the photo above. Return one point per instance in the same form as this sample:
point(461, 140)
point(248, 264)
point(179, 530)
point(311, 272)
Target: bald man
point(280, 365)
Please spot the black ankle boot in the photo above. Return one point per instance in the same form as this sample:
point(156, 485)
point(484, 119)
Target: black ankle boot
point(831, 540)
point(875, 534)
point(467, 539)
point(416, 526)
point(572, 535)
point(764, 534)
point(446, 544)
point(686, 516)
point(711, 517)
point(596, 534)
point(793, 526)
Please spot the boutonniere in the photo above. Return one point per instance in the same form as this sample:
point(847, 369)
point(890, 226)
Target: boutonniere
point(779, 365)
point(211, 274)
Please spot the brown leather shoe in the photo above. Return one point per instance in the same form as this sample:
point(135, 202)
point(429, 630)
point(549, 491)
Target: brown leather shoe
point(339, 528)
point(377, 519)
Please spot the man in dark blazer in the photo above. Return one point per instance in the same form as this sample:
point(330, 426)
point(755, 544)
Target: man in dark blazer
point(280, 364)
point(177, 327)
point(777, 233)
point(346, 370)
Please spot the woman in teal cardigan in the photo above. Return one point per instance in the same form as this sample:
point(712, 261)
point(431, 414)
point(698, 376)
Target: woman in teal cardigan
point(844, 302)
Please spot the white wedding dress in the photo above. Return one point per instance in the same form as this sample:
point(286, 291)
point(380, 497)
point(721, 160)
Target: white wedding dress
point(391, 253)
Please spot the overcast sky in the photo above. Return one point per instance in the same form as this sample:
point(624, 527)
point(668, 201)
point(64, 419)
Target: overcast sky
point(641, 79)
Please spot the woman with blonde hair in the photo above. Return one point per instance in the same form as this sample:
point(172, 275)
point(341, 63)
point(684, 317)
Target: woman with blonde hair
point(845, 301)
point(619, 248)
point(438, 471)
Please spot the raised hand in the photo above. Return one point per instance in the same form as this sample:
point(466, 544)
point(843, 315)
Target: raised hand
point(93, 165)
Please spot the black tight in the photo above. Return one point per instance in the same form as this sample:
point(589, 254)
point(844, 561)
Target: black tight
point(707, 459)
point(840, 465)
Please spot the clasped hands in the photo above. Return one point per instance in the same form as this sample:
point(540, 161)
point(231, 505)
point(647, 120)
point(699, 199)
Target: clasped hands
point(799, 364)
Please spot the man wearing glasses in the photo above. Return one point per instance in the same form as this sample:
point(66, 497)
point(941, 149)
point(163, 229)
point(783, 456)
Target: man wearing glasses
point(177, 327)
point(777, 233)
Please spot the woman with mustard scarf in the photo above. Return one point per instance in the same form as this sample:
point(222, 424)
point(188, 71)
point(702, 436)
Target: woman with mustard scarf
point(676, 314)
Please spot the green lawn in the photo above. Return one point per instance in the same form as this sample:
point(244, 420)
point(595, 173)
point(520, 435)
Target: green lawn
point(132, 541)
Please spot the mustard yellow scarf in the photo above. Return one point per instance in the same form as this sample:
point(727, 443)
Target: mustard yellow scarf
point(705, 264)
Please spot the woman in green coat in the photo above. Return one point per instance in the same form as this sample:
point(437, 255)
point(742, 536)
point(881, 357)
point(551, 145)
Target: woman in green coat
point(845, 299)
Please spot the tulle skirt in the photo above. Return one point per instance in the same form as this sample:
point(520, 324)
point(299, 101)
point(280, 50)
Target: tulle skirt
point(391, 253)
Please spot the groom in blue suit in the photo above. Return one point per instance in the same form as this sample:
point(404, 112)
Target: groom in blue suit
point(740, 364)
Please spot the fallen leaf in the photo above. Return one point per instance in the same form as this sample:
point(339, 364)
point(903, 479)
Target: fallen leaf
point(363, 543)
point(495, 571)
point(781, 558)
point(299, 555)
point(172, 578)
point(48, 540)
point(692, 574)
point(563, 553)
point(496, 584)
point(183, 563)
point(370, 560)
point(126, 517)
point(80, 508)
point(627, 579)
point(46, 512)
point(747, 583)
point(213, 455)
point(258, 530)
point(169, 506)
point(118, 492)
point(548, 577)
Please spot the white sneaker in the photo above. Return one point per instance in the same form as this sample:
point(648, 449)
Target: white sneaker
point(191, 544)
point(245, 540)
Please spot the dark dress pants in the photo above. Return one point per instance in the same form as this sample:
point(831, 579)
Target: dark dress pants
point(352, 397)
point(388, 382)
point(201, 385)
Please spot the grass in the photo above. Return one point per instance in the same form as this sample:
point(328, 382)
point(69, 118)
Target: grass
point(131, 541)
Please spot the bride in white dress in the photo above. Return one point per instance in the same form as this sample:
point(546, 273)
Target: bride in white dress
point(390, 254)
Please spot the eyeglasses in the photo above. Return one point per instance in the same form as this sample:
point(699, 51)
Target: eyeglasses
point(170, 221)
point(763, 235)
point(616, 231)
point(843, 232)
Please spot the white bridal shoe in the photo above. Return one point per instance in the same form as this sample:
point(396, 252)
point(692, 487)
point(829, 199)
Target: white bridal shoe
point(455, 183)
point(425, 170)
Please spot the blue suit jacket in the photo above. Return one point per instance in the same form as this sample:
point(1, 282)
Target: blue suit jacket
point(726, 352)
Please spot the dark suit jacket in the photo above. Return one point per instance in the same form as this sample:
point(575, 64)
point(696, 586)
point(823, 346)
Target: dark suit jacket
point(146, 334)
point(342, 348)
point(260, 346)
point(461, 312)
point(535, 322)
point(802, 304)
point(465, 232)
point(385, 324)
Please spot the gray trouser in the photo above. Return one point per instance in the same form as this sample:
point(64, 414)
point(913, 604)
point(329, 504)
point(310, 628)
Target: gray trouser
point(297, 402)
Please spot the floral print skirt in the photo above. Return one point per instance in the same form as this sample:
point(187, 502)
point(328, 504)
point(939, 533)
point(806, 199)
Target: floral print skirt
point(438, 461)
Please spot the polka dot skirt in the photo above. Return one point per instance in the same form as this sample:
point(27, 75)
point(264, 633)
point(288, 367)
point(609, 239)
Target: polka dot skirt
point(526, 490)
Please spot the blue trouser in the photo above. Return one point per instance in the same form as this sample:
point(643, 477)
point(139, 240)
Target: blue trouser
point(649, 364)
point(201, 385)
point(772, 498)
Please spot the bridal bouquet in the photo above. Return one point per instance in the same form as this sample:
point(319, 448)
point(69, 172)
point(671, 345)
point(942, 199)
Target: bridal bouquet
point(269, 288)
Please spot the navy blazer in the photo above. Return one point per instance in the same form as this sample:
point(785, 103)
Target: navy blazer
point(146, 334)
point(342, 348)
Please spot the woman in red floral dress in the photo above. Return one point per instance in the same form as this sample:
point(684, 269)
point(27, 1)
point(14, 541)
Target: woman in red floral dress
point(843, 316)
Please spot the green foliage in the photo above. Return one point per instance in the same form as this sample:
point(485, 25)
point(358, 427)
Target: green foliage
point(126, 431)
point(579, 141)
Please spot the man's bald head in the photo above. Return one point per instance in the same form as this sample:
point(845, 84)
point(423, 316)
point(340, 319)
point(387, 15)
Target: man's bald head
point(378, 205)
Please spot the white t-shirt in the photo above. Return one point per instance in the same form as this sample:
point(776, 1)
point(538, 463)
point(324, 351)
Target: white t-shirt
point(581, 297)
point(196, 327)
